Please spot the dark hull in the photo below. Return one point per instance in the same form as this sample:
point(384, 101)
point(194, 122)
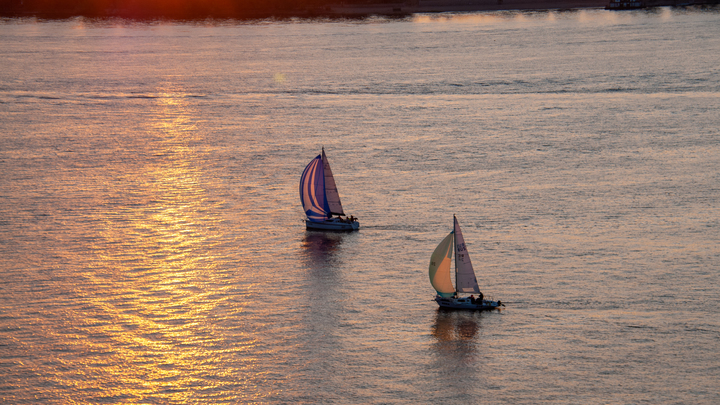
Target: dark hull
point(466, 303)
point(333, 225)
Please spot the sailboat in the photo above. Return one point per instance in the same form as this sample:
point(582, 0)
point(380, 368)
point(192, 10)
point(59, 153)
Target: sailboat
point(465, 281)
point(320, 198)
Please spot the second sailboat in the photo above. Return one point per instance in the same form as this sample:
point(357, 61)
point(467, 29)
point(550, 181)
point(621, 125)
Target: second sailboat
point(321, 200)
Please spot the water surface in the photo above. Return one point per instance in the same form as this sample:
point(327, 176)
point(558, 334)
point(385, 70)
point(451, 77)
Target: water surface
point(152, 245)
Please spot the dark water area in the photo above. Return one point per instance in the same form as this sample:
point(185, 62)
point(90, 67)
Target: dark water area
point(153, 246)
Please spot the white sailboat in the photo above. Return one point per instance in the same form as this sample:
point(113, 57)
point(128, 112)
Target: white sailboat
point(320, 198)
point(465, 281)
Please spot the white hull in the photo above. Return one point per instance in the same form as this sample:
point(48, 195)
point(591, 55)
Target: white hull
point(333, 224)
point(465, 303)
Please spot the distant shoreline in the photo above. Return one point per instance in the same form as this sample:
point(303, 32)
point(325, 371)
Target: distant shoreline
point(191, 10)
point(440, 6)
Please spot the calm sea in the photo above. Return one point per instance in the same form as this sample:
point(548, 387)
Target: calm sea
point(152, 244)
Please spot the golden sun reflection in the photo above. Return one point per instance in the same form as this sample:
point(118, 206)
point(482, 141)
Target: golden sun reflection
point(155, 296)
point(279, 78)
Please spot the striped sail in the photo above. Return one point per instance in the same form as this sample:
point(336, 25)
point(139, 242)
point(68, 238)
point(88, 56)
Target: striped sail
point(331, 192)
point(312, 191)
point(440, 267)
point(465, 280)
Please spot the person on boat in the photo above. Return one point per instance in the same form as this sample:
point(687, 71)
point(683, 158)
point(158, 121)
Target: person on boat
point(472, 299)
point(480, 297)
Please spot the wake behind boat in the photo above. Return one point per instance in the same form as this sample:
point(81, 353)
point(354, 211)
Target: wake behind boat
point(321, 200)
point(465, 280)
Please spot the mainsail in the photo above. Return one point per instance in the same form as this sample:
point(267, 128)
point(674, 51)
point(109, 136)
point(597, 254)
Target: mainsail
point(331, 192)
point(465, 280)
point(440, 267)
point(312, 191)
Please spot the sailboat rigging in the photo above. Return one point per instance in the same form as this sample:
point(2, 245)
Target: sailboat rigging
point(465, 280)
point(321, 200)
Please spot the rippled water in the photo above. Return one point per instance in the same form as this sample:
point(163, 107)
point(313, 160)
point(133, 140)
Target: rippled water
point(152, 247)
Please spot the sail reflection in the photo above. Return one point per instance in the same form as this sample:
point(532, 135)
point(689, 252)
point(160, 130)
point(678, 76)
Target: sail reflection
point(455, 334)
point(458, 365)
point(320, 248)
point(320, 251)
point(456, 325)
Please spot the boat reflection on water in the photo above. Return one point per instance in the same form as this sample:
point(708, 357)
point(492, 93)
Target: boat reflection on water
point(456, 326)
point(463, 363)
point(320, 252)
point(457, 351)
point(320, 248)
point(320, 304)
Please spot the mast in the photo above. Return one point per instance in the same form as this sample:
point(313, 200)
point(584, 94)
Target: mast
point(456, 259)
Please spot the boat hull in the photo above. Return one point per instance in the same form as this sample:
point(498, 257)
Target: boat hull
point(333, 225)
point(466, 303)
